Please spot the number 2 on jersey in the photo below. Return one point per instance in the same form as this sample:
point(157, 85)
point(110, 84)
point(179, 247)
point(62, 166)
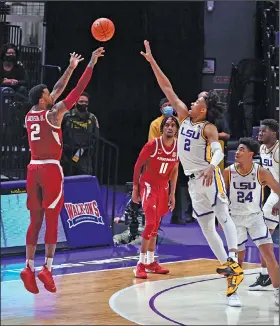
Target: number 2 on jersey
point(241, 195)
point(187, 146)
point(35, 130)
point(163, 168)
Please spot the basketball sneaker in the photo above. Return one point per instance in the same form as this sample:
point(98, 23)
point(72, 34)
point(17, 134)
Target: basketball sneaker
point(140, 271)
point(45, 276)
point(233, 282)
point(156, 268)
point(261, 284)
point(233, 300)
point(231, 267)
point(29, 280)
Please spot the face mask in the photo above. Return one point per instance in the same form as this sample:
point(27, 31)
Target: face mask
point(82, 107)
point(167, 111)
point(10, 58)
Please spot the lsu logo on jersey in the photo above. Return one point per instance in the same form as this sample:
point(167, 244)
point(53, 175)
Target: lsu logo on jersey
point(83, 213)
point(267, 162)
point(190, 133)
point(244, 185)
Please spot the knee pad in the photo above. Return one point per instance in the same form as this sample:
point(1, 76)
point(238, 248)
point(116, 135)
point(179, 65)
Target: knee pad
point(51, 226)
point(148, 231)
point(32, 235)
point(36, 220)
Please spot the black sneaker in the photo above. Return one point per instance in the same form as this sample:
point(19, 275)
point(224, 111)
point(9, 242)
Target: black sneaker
point(262, 282)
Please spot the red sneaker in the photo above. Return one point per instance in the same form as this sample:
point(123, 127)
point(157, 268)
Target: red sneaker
point(139, 271)
point(45, 276)
point(156, 268)
point(29, 280)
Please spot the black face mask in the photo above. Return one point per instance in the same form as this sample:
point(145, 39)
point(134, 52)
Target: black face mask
point(81, 107)
point(10, 58)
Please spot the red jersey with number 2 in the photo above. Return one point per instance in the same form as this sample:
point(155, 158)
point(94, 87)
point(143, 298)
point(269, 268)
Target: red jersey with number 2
point(45, 139)
point(160, 161)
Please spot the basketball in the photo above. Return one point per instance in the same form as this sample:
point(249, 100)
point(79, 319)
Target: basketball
point(102, 29)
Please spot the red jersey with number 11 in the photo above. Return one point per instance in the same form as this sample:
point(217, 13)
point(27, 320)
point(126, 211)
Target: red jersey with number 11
point(45, 139)
point(160, 161)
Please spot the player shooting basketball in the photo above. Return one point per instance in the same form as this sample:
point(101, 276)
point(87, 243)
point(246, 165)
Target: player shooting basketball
point(44, 174)
point(160, 161)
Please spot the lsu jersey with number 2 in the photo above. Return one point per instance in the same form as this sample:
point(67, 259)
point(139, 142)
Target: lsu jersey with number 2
point(246, 191)
point(193, 149)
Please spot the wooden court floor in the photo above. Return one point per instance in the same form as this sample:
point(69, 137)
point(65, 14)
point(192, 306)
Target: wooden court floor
point(83, 299)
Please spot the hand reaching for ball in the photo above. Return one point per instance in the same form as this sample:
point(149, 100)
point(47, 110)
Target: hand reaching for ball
point(75, 59)
point(148, 55)
point(96, 54)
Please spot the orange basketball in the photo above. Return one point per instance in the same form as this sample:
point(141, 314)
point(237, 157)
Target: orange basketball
point(102, 29)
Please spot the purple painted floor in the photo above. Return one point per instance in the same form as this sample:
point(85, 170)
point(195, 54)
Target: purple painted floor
point(176, 243)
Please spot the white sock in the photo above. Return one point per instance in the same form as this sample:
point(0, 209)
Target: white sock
point(233, 255)
point(150, 257)
point(264, 271)
point(142, 258)
point(31, 264)
point(48, 262)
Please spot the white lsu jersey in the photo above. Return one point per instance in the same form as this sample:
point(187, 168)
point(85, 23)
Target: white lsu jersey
point(245, 191)
point(270, 159)
point(193, 149)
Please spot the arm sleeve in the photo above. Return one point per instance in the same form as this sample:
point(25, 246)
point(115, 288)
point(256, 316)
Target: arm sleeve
point(74, 95)
point(144, 155)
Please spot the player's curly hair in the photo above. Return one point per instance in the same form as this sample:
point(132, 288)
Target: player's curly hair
point(5, 48)
point(36, 93)
point(164, 121)
point(251, 144)
point(271, 124)
point(215, 109)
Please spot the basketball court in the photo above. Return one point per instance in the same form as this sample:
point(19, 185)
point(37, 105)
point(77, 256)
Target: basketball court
point(97, 287)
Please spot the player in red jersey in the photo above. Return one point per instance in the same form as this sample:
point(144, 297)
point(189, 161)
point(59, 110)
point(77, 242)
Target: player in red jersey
point(160, 162)
point(44, 182)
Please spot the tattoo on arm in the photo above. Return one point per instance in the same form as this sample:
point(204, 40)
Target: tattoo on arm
point(60, 85)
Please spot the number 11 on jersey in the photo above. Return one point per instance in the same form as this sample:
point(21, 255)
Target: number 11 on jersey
point(163, 168)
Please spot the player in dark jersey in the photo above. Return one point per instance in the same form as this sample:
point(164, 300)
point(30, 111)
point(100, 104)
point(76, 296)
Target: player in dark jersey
point(44, 182)
point(160, 162)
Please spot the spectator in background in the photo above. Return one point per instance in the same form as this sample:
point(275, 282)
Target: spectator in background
point(12, 72)
point(80, 130)
point(166, 110)
point(154, 132)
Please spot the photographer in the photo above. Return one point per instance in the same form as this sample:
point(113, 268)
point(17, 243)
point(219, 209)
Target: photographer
point(133, 216)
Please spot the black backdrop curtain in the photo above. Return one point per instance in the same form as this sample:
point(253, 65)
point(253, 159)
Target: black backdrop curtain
point(124, 92)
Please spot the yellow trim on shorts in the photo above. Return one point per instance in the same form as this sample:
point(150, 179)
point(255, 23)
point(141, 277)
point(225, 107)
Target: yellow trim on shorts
point(219, 181)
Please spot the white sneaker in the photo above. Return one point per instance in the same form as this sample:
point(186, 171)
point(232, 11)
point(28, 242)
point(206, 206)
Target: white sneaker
point(276, 297)
point(233, 300)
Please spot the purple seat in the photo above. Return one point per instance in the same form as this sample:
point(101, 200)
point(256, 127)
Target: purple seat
point(255, 132)
point(230, 157)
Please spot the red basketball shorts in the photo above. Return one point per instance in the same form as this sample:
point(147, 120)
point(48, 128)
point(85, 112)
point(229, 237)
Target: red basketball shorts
point(44, 186)
point(154, 202)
